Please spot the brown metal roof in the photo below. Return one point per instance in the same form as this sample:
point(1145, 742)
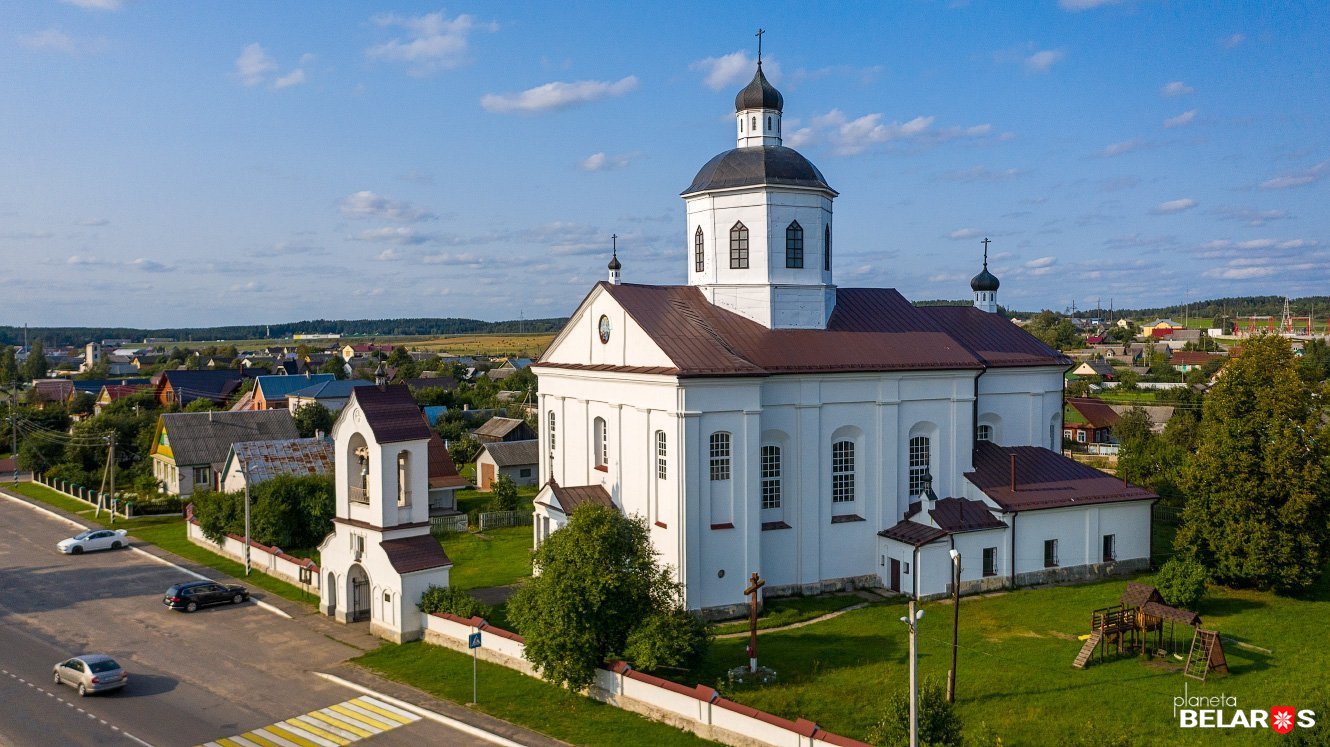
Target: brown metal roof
point(964, 515)
point(1095, 411)
point(912, 533)
point(1044, 479)
point(411, 554)
point(994, 339)
point(572, 498)
point(391, 413)
point(442, 471)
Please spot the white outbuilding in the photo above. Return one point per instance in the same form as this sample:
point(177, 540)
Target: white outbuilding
point(762, 419)
point(381, 556)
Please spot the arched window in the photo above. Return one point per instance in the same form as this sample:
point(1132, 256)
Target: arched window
point(920, 458)
point(754, 123)
point(662, 470)
point(699, 251)
point(984, 432)
point(826, 248)
point(601, 446)
point(768, 123)
point(403, 478)
point(739, 247)
point(720, 456)
point(842, 472)
point(794, 246)
point(552, 431)
point(741, 124)
point(770, 476)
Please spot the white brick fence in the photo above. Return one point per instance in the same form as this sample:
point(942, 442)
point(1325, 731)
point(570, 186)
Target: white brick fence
point(699, 709)
point(301, 572)
point(123, 503)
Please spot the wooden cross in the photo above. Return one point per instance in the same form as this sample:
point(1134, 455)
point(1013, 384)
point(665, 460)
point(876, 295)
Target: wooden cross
point(759, 34)
point(985, 243)
point(754, 583)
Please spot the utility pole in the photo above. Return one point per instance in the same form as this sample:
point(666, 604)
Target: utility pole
point(110, 466)
point(13, 428)
point(244, 473)
point(955, 621)
point(912, 622)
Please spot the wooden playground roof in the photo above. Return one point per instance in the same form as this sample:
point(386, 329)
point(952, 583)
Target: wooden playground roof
point(1165, 612)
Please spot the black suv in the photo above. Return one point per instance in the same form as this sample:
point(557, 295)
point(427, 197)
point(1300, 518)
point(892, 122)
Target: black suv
point(194, 594)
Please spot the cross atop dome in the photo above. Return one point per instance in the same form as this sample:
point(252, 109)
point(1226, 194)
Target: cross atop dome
point(758, 108)
point(985, 286)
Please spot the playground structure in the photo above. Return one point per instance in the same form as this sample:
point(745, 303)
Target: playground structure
point(1127, 625)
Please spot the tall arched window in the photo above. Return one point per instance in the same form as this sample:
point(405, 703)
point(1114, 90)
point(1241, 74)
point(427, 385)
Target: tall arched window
point(552, 431)
point(826, 248)
point(768, 123)
point(842, 472)
point(601, 444)
point(920, 457)
point(770, 476)
point(754, 123)
point(720, 456)
point(739, 247)
point(403, 478)
point(662, 470)
point(794, 246)
point(699, 251)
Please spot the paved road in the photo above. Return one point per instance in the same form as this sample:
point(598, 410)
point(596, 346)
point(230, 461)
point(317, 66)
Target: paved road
point(194, 677)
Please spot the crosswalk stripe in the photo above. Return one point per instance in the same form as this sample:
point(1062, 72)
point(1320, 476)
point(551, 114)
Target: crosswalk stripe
point(240, 740)
point(304, 732)
point(390, 707)
point(258, 739)
point(228, 742)
point(272, 738)
point(291, 736)
point(369, 723)
point(329, 717)
point(336, 733)
point(316, 731)
point(381, 711)
point(371, 715)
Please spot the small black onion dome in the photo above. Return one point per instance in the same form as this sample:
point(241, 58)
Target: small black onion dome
point(984, 281)
point(759, 94)
point(614, 262)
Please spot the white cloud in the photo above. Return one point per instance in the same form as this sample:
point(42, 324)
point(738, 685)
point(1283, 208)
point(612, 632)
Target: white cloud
point(1250, 216)
point(852, 136)
point(96, 4)
point(1079, 5)
point(79, 259)
point(366, 205)
point(401, 235)
point(1174, 206)
point(1297, 179)
point(557, 95)
point(253, 65)
point(1176, 88)
point(602, 162)
point(293, 78)
point(1126, 146)
point(1232, 41)
point(390, 255)
point(150, 265)
point(964, 233)
point(732, 69)
point(432, 42)
point(1040, 262)
point(1180, 120)
point(1041, 62)
point(55, 40)
point(800, 137)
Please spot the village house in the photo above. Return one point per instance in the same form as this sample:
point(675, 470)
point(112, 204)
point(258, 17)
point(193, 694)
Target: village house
point(189, 449)
point(1102, 369)
point(253, 462)
point(504, 429)
point(181, 387)
point(332, 394)
point(111, 392)
point(1088, 420)
point(1186, 360)
point(513, 459)
point(270, 392)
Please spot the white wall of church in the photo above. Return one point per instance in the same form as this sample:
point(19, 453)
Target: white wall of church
point(628, 344)
point(1079, 533)
point(1021, 404)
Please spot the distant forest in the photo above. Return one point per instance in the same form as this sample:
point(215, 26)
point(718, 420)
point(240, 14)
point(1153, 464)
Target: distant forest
point(1229, 307)
point(55, 336)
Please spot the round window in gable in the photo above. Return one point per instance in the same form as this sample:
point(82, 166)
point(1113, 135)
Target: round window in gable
point(605, 328)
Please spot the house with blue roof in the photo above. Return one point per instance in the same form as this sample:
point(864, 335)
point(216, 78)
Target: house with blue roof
point(270, 392)
point(331, 394)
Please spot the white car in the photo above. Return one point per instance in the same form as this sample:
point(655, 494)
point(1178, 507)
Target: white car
point(93, 539)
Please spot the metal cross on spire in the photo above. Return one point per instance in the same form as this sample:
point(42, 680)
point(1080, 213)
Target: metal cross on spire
point(759, 34)
point(614, 242)
point(985, 243)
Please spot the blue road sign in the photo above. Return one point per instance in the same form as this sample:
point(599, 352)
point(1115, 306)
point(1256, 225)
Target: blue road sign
point(473, 640)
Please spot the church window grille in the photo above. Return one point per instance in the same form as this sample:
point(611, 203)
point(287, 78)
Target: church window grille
point(602, 445)
point(662, 468)
point(553, 438)
point(984, 432)
point(842, 472)
point(826, 249)
point(754, 123)
point(739, 247)
point(794, 246)
point(699, 251)
point(720, 456)
point(770, 477)
point(920, 456)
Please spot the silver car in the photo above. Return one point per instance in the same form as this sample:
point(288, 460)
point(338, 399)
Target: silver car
point(91, 673)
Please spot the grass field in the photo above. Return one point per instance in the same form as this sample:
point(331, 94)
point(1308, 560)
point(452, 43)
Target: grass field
point(778, 612)
point(168, 533)
point(495, 557)
point(1015, 680)
point(529, 346)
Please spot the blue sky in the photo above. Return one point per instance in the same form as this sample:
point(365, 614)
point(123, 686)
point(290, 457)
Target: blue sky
point(195, 164)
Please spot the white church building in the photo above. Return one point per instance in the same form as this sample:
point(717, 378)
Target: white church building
point(762, 419)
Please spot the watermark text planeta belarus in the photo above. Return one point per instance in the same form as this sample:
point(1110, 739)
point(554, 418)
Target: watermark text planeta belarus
point(1222, 712)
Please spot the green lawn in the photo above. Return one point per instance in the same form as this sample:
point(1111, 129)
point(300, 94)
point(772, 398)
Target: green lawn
point(1015, 676)
point(790, 610)
point(515, 697)
point(168, 533)
point(496, 557)
point(470, 500)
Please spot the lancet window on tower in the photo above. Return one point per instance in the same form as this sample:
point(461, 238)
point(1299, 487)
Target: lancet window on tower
point(739, 247)
point(794, 246)
point(699, 251)
point(826, 249)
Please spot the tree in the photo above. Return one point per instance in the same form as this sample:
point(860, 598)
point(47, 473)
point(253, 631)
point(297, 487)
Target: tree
point(505, 494)
point(1054, 330)
point(313, 418)
point(1128, 379)
point(464, 450)
point(939, 724)
point(36, 366)
point(1258, 494)
point(400, 356)
point(9, 371)
point(452, 600)
point(668, 639)
point(1181, 582)
point(202, 404)
point(1314, 366)
point(335, 366)
point(597, 581)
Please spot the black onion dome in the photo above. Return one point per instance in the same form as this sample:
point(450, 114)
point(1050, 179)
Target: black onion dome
point(759, 94)
point(984, 281)
point(614, 262)
point(758, 165)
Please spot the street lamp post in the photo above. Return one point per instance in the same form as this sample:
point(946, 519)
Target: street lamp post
point(244, 474)
point(955, 621)
point(912, 622)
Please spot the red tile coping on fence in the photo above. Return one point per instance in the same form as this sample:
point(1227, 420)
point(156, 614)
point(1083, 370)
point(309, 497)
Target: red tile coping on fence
point(277, 551)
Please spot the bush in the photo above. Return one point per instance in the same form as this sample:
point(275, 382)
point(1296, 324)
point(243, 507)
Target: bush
point(454, 601)
point(505, 494)
point(939, 725)
point(1181, 582)
point(677, 638)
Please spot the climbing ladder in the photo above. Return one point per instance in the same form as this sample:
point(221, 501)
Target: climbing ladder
point(1207, 654)
point(1087, 650)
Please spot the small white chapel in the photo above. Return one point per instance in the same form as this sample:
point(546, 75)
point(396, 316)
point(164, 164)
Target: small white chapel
point(762, 419)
